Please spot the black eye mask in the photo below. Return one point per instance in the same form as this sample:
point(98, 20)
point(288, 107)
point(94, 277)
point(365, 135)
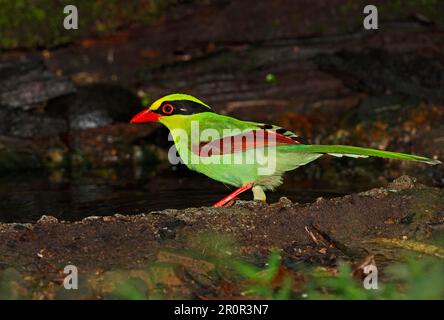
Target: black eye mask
point(184, 107)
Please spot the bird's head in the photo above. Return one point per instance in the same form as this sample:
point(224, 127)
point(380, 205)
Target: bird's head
point(170, 107)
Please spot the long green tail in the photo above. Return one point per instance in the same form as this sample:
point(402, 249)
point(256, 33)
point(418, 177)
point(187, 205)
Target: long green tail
point(358, 152)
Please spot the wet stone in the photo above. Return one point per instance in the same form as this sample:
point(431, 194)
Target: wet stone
point(26, 84)
point(97, 106)
point(407, 75)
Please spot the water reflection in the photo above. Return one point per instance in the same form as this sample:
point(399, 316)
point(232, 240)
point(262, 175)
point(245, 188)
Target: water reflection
point(26, 197)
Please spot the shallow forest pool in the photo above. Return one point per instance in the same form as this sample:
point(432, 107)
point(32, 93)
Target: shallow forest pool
point(26, 197)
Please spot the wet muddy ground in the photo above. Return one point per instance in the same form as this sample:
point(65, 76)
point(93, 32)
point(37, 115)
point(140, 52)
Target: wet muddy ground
point(68, 152)
point(183, 245)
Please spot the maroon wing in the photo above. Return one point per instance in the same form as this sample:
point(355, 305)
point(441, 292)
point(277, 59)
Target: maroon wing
point(261, 138)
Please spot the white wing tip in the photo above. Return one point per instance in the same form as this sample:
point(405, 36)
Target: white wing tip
point(433, 161)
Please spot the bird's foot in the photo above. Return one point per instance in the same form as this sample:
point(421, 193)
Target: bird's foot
point(229, 203)
point(231, 198)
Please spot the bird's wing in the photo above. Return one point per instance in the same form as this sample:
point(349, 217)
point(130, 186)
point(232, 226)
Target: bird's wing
point(261, 137)
point(281, 131)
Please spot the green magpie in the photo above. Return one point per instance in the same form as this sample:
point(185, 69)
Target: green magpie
point(244, 154)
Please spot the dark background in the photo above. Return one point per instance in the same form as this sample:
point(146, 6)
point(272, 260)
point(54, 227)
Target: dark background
point(66, 97)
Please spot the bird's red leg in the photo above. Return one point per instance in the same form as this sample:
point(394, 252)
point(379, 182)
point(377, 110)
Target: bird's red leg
point(229, 199)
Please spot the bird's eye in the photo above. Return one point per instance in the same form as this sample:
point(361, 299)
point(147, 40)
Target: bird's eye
point(167, 108)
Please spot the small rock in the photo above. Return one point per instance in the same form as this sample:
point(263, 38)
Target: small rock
point(97, 106)
point(91, 218)
point(119, 216)
point(22, 226)
point(377, 193)
point(47, 219)
point(402, 183)
point(319, 199)
point(284, 201)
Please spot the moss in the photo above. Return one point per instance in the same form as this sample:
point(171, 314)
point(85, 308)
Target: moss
point(426, 203)
point(11, 284)
point(416, 246)
point(346, 8)
point(424, 211)
point(432, 9)
point(28, 23)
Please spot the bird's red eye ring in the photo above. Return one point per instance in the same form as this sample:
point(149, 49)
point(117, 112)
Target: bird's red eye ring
point(167, 108)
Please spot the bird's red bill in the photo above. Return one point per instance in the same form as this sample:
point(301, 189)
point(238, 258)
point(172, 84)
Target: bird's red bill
point(145, 116)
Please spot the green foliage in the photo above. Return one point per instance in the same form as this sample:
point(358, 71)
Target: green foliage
point(418, 278)
point(262, 281)
point(410, 280)
point(10, 283)
point(215, 258)
point(341, 286)
point(146, 100)
point(130, 289)
point(271, 78)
